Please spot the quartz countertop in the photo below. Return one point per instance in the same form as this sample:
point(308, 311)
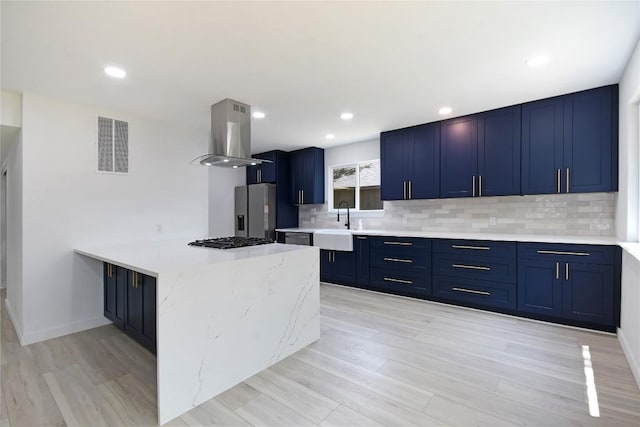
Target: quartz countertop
point(155, 257)
point(539, 238)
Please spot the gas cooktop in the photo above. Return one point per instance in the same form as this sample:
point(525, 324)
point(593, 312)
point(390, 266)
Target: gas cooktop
point(230, 242)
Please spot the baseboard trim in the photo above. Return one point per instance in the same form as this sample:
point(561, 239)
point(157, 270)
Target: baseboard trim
point(12, 318)
point(59, 331)
point(633, 363)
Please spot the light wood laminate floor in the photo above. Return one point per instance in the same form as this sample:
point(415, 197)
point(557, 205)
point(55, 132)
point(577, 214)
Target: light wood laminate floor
point(381, 361)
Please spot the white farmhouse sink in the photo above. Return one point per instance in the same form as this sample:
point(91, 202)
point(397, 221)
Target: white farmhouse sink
point(333, 240)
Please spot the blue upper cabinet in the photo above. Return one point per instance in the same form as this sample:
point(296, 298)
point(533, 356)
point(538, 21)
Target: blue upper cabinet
point(410, 163)
point(264, 172)
point(480, 154)
point(569, 143)
point(499, 152)
point(307, 176)
point(459, 157)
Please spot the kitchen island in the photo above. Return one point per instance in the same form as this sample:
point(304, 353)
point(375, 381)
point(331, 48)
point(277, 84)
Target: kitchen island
point(222, 315)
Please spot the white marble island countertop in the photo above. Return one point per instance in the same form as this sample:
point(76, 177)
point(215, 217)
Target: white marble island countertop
point(221, 315)
point(154, 257)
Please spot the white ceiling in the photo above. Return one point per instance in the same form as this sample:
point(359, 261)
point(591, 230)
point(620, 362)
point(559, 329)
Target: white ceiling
point(392, 64)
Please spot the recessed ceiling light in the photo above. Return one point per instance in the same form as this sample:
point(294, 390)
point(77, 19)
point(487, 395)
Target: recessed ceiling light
point(346, 116)
point(226, 160)
point(116, 72)
point(258, 115)
point(330, 136)
point(253, 163)
point(445, 110)
point(235, 166)
point(537, 61)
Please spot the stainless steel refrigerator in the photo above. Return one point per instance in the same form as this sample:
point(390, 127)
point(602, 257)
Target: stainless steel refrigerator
point(256, 211)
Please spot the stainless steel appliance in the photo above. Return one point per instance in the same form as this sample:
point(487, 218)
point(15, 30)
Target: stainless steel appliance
point(230, 242)
point(298, 238)
point(255, 214)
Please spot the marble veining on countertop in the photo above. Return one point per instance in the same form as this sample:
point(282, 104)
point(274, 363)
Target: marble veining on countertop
point(154, 257)
point(508, 237)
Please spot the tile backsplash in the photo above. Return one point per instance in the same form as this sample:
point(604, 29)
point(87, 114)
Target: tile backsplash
point(588, 214)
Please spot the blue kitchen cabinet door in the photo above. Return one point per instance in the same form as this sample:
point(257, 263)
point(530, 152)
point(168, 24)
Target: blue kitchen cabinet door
point(423, 162)
point(587, 295)
point(499, 152)
point(253, 174)
point(307, 176)
point(140, 317)
point(588, 147)
point(115, 283)
point(539, 287)
point(396, 148)
point(264, 172)
point(338, 267)
point(542, 146)
point(458, 157)
point(361, 248)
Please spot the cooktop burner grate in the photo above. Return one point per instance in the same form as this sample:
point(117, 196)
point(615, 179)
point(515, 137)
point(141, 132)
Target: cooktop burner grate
point(230, 242)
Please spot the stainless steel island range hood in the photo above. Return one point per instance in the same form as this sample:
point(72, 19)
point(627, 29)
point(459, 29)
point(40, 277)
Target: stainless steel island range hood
point(230, 136)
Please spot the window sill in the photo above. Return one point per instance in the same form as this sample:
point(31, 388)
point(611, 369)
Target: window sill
point(356, 214)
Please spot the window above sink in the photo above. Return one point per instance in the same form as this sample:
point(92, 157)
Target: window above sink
point(357, 184)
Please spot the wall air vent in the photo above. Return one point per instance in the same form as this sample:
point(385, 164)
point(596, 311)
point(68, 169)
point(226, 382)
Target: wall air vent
point(113, 145)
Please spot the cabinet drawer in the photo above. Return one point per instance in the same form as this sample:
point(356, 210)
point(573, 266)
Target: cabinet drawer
point(499, 269)
point(487, 293)
point(400, 259)
point(400, 243)
point(476, 248)
point(590, 254)
point(402, 281)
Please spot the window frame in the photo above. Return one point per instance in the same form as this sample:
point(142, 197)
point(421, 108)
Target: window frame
point(332, 210)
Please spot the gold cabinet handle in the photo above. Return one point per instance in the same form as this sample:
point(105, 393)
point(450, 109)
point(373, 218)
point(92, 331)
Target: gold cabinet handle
point(398, 260)
point(480, 185)
point(567, 180)
point(399, 243)
point(558, 179)
point(557, 270)
point(133, 284)
point(563, 253)
point(566, 271)
point(480, 248)
point(473, 186)
point(471, 291)
point(391, 279)
point(471, 267)
point(109, 270)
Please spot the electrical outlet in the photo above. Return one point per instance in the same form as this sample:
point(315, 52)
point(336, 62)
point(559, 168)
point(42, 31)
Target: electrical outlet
point(492, 220)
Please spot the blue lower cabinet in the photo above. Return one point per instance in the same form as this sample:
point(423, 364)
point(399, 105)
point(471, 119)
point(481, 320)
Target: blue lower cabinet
point(404, 282)
point(475, 292)
point(130, 303)
point(587, 294)
point(361, 248)
point(338, 267)
point(539, 287)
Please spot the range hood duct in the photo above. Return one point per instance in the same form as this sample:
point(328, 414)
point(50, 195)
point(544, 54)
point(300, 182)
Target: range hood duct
point(230, 136)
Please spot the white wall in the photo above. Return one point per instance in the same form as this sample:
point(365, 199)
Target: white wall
point(14, 300)
point(628, 210)
point(67, 204)
point(222, 182)
point(10, 109)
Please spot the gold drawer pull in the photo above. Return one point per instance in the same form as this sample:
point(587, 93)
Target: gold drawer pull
point(390, 279)
point(482, 248)
point(471, 267)
point(471, 291)
point(399, 243)
point(564, 253)
point(398, 260)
